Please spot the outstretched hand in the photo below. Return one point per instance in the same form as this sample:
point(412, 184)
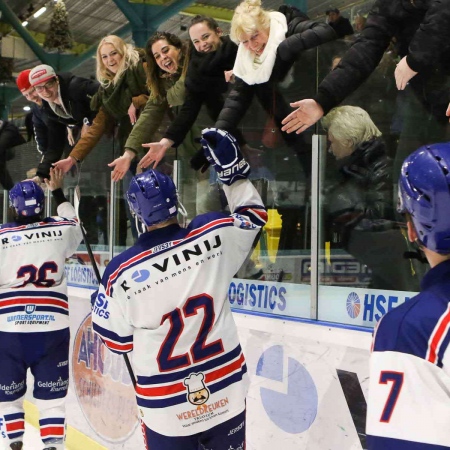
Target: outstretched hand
point(155, 154)
point(403, 73)
point(121, 165)
point(56, 180)
point(447, 113)
point(64, 164)
point(308, 112)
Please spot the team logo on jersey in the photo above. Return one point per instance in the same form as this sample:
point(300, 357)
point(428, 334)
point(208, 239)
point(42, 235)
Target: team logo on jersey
point(353, 305)
point(140, 275)
point(16, 238)
point(29, 309)
point(198, 393)
point(243, 222)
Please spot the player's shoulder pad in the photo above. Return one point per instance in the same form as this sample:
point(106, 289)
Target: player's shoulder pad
point(204, 219)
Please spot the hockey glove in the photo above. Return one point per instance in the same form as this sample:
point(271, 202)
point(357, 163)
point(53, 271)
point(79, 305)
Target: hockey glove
point(222, 151)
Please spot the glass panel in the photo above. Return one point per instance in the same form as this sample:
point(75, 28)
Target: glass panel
point(362, 271)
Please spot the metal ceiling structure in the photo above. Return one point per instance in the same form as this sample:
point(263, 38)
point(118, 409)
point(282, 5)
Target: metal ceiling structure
point(133, 20)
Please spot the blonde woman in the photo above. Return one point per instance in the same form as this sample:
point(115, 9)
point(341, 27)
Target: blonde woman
point(123, 92)
point(269, 43)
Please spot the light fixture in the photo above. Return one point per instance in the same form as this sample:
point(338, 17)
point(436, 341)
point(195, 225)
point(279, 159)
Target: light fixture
point(39, 12)
point(26, 108)
point(25, 23)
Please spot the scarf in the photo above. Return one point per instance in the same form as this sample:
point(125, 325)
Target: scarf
point(206, 70)
point(244, 66)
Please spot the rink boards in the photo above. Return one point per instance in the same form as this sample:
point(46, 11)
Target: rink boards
point(308, 379)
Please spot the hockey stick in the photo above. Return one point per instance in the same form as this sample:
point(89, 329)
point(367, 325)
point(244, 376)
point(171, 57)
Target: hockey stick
point(97, 274)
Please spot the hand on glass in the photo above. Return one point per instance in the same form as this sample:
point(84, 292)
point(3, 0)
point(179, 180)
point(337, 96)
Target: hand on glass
point(64, 164)
point(156, 152)
point(308, 112)
point(56, 180)
point(132, 113)
point(121, 165)
point(403, 73)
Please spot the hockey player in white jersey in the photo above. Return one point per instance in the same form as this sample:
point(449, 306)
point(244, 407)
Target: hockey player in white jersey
point(409, 392)
point(166, 299)
point(34, 314)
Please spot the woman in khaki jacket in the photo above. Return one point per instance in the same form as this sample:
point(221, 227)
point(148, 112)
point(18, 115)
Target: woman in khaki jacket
point(123, 92)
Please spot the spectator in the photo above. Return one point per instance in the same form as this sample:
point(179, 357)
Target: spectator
point(66, 97)
point(50, 144)
point(167, 61)
point(409, 379)
point(122, 94)
point(269, 43)
point(359, 210)
point(210, 62)
point(422, 37)
point(9, 137)
point(341, 25)
point(360, 22)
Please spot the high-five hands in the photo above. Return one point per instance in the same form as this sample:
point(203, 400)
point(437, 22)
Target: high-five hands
point(308, 112)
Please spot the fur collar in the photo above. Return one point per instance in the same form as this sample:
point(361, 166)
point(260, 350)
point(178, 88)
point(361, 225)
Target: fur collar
point(244, 68)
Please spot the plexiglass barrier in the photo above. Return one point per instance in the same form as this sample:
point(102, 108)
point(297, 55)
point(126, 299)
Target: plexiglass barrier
point(333, 247)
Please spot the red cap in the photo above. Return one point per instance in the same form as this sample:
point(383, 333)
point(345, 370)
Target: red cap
point(22, 80)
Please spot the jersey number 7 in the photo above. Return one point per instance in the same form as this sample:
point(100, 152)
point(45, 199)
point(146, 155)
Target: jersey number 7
point(397, 383)
point(199, 350)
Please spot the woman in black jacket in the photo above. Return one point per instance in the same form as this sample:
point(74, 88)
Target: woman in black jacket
point(269, 43)
point(211, 60)
point(9, 137)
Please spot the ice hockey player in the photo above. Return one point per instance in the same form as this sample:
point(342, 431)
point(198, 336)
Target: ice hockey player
point(34, 314)
point(409, 392)
point(166, 299)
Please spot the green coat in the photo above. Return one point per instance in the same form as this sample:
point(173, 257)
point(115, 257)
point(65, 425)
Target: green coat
point(153, 114)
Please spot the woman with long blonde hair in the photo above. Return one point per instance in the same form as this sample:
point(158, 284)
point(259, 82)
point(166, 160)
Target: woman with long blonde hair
point(123, 92)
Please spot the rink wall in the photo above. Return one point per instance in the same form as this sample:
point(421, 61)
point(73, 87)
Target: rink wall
point(308, 382)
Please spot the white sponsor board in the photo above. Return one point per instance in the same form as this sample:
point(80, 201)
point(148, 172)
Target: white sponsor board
point(357, 306)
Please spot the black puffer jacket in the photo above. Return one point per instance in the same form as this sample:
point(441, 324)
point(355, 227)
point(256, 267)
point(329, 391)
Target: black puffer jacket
point(422, 32)
point(362, 195)
point(302, 34)
point(205, 85)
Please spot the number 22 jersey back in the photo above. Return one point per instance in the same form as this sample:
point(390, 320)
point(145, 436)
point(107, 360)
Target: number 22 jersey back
point(166, 299)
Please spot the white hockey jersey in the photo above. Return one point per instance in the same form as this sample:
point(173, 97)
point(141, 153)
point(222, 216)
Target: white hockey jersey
point(33, 289)
point(166, 299)
point(409, 391)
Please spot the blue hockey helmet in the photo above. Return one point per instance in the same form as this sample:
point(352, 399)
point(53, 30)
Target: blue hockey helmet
point(152, 196)
point(424, 192)
point(27, 198)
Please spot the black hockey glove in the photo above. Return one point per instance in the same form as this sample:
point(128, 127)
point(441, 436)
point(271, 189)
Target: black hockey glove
point(222, 151)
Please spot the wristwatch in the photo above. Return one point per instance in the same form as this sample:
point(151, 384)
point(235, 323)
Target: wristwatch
point(86, 122)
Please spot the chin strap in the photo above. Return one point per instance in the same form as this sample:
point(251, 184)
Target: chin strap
point(417, 253)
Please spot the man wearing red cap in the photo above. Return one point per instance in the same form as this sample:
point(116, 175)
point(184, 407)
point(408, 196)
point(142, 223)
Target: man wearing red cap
point(49, 144)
